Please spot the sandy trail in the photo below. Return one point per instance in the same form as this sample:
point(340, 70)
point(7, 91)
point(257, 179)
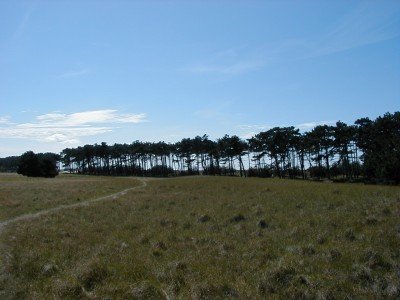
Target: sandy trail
point(3, 224)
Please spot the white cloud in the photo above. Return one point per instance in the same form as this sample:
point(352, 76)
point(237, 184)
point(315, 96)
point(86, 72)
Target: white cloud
point(311, 125)
point(28, 111)
point(256, 126)
point(248, 135)
point(90, 117)
point(75, 73)
point(51, 134)
point(252, 130)
point(68, 128)
point(4, 120)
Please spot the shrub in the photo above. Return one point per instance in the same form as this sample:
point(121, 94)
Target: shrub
point(38, 165)
point(262, 172)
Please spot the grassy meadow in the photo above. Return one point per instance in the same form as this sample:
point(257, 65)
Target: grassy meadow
point(200, 238)
point(21, 195)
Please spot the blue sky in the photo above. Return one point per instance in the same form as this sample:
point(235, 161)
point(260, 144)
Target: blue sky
point(76, 72)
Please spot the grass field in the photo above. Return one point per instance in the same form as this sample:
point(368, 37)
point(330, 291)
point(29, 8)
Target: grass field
point(200, 238)
point(20, 195)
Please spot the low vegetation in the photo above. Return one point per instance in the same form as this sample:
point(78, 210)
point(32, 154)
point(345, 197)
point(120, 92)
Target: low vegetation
point(20, 195)
point(209, 238)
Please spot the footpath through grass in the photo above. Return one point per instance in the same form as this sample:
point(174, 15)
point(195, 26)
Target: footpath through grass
point(213, 237)
point(21, 195)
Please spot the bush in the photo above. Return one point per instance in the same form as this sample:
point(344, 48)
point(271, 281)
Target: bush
point(160, 171)
point(38, 165)
point(319, 172)
point(262, 172)
point(9, 164)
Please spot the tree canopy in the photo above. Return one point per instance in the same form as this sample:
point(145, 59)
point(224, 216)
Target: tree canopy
point(368, 150)
point(38, 165)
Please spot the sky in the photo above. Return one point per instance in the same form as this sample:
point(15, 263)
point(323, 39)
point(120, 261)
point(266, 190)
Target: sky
point(83, 72)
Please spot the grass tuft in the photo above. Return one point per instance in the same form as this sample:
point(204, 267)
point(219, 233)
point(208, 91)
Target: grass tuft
point(237, 218)
point(362, 275)
point(375, 260)
point(92, 274)
point(276, 279)
point(371, 220)
point(262, 224)
point(212, 291)
point(203, 218)
point(144, 290)
point(349, 234)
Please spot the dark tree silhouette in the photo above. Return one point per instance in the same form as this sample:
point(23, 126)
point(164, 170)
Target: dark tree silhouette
point(379, 141)
point(38, 165)
point(9, 164)
point(29, 165)
point(368, 150)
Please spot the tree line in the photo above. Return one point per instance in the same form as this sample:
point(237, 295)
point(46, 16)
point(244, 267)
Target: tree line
point(366, 150)
point(32, 164)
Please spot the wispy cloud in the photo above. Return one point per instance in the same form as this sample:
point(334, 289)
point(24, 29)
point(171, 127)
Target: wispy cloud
point(88, 117)
point(5, 120)
point(254, 127)
point(248, 135)
point(51, 134)
point(207, 113)
point(228, 62)
point(68, 128)
point(227, 69)
point(366, 24)
point(219, 112)
point(75, 73)
point(21, 26)
point(311, 125)
point(249, 131)
point(28, 111)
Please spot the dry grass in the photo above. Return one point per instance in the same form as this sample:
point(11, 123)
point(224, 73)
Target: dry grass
point(20, 195)
point(212, 237)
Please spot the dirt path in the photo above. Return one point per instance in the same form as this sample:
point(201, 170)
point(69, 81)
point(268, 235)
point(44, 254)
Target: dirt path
point(114, 196)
